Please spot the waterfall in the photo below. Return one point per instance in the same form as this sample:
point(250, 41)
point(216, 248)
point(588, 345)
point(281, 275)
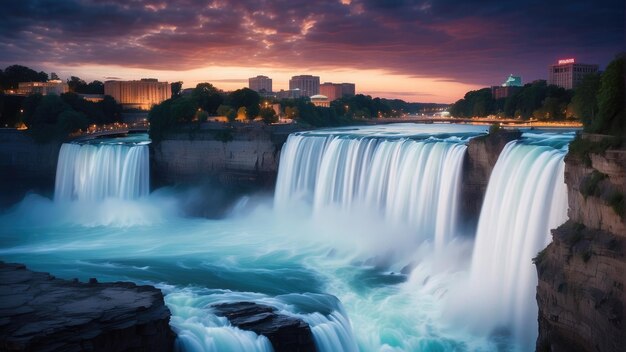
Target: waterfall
point(105, 170)
point(526, 197)
point(412, 182)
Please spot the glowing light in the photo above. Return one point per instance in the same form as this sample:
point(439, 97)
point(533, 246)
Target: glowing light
point(566, 61)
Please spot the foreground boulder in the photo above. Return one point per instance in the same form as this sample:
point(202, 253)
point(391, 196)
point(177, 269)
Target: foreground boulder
point(284, 332)
point(41, 313)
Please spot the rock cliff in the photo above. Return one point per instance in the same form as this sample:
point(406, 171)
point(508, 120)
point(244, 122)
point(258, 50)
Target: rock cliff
point(582, 272)
point(284, 332)
point(240, 156)
point(481, 157)
point(41, 313)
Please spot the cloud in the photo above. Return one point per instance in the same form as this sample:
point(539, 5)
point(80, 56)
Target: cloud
point(452, 40)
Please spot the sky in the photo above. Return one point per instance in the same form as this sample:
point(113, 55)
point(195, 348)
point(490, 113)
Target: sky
point(420, 51)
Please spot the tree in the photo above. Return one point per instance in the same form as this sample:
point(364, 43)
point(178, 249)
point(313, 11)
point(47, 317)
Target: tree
point(268, 115)
point(161, 120)
point(95, 87)
point(176, 87)
point(245, 98)
point(54, 76)
point(585, 100)
point(242, 114)
point(111, 109)
point(207, 97)
point(71, 121)
point(184, 109)
point(76, 84)
point(611, 117)
point(228, 111)
point(14, 74)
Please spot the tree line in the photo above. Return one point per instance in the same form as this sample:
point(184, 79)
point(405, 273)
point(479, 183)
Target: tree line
point(598, 102)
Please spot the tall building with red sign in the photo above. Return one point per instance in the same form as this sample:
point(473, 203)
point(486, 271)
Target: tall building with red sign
point(567, 73)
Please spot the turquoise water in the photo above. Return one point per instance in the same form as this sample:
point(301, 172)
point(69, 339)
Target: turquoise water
point(359, 282)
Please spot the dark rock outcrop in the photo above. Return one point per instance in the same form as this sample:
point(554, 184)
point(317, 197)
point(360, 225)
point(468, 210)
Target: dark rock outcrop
point(482, 154)
point(582, 273)
point(246, 155)
point(41, 313)
point(284, 332)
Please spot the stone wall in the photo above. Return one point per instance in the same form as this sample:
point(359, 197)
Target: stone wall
point(582, 273)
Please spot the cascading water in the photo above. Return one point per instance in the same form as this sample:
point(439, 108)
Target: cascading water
point(526, 197)
point(102, 169)
point(409, 181)
point(283, 257)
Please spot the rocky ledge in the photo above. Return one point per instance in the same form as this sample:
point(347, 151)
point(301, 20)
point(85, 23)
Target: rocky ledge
point(286, 333)
point(582, 273)
point(39, 312)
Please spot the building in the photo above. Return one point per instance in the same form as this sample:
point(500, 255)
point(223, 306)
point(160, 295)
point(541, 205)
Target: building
point(260, 84)
point(289, 94)
point(567, 73)
point(57, 87)
point(141, 94)
point(512, 85)
point(320, 100)
point(308, 85)
point(335, 91)
point(94, 98)
point(348, 89)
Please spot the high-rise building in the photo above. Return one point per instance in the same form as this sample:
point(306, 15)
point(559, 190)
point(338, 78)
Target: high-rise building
point(331, 90)
point(337, 90)
point(260, 84)
point(567, 73)
point(57, 87)
point(308, 85)
point(141, 94)
point(348, 89)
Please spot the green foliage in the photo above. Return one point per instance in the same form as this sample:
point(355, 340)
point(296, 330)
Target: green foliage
point(245, 98)
point(585, 99)
point(12, 75)
point(79, 86)
point(71, 121)
point(582, 148)
point(161, 120)
point(176, 87)
point(494, 128)
point(10, 106)
point(184, 109)
point(589, 184)
point(268, 115)
point(228, 111)
point(207, 97)
point(611, 117)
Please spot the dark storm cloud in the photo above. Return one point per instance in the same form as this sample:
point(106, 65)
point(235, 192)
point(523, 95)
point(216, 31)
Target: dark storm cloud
point(474, 42)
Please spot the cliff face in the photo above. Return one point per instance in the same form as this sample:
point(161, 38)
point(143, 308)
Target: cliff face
point(482, 154)
point(241, 156)
point(41, 313)
point(582, 273)
point(25, 165)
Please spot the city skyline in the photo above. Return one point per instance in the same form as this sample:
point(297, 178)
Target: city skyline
point(413, 50)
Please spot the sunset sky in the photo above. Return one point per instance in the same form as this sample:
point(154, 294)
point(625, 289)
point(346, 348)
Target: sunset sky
point(426, 51)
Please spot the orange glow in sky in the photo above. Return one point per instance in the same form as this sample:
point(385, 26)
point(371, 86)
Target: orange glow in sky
point(377, 83)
